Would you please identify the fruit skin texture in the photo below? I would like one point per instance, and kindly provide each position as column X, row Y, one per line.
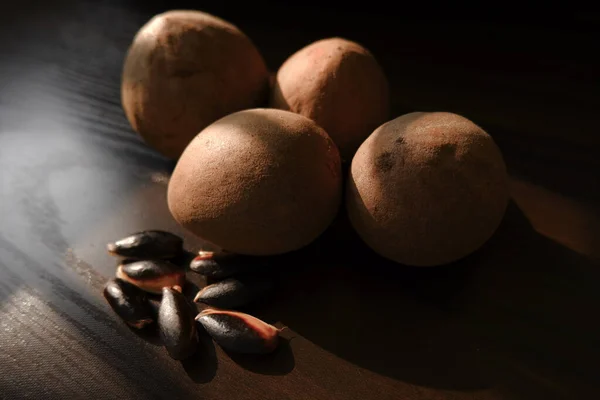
column 338, row 84
column 183, row 71
column 427, row 189
column 257, row 182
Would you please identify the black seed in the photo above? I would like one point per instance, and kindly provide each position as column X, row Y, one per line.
column 176, row 325
column 234, row 292
column 147, row 244
column 128, row 302
column 222, row 265
column 239, row 332
column 152, row 275
column 149, row 269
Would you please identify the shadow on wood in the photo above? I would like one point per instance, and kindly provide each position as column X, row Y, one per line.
column 280, row 362
column 202, row 366
column 515, row 314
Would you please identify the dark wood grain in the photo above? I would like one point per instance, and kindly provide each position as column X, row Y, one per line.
column 516, row 320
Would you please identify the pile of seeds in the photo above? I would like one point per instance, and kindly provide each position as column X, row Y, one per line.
column 150, row 268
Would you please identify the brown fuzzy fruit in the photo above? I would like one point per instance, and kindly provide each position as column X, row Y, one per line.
column 185, row 70
column 338, row 84
column 257, row 182
column 427, row 188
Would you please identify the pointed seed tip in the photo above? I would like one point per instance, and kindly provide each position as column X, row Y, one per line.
column 207, row 311
column 204, row 255
column 120, row 274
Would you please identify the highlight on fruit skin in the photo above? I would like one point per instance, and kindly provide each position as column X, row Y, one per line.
column 427, row 189
column 129, row 303
column 239, row 332
column 338, row 84
column 176, row 325
column 147, row 244
column 232, row 293
column 221, row 265
column 152, row 275
column 184, row 70
column 258, row 182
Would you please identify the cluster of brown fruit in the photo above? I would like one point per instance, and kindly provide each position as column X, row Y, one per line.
column 148, row 288
column 423, row 189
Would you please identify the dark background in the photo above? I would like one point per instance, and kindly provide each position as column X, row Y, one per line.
column 516, row 320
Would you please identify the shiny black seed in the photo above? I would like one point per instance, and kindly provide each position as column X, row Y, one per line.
column 222, row 265
column 152, row 275
column 176, row 325
column 234, row 292
column 147, row 244
column 128, row 302
column 239, row 332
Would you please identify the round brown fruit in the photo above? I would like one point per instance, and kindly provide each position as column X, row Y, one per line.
column 338, row 84
column 257, row 182
column 427, row 189
column 183, row 71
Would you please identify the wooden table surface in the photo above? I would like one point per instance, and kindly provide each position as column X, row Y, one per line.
column 516, row 320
